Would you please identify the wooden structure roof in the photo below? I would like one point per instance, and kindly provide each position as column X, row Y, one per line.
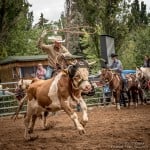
column 13, row 59
column 22, row 61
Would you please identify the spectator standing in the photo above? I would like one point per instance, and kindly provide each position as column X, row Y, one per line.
column 41, row 72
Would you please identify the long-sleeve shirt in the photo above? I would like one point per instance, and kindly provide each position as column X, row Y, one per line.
column 52, row 53
column 117, row 66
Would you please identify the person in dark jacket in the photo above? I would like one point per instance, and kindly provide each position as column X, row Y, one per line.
column 146, row 61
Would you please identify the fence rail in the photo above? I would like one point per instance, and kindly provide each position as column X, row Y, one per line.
column 8, row 103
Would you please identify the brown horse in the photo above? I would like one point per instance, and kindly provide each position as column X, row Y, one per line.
column 114, row 80
column 134, row 91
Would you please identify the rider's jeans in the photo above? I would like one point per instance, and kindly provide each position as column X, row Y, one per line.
column 124, row 80
column 49, row 72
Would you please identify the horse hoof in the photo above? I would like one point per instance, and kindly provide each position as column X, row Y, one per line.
column 49, row 126
column 46, row 127
column 82, row 132
column 15, row 117
column 30, row 130
column 31, row 138
column 83, row 123
column 34, row 137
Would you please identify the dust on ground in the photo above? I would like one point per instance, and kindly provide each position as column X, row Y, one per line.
column 107, row 129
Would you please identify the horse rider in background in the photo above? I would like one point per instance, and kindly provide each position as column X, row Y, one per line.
column 118, row 67
column 116, row 63
column 55, row 51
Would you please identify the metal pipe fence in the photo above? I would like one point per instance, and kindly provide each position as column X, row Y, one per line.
column 8, row 103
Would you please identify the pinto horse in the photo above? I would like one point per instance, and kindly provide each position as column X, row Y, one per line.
column 143, row 72
column 134, row 91
column 115, row 83
column 143, row 78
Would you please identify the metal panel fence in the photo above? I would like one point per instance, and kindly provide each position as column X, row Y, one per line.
column 8, row 103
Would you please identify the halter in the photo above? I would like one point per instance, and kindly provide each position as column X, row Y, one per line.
column 112, row 76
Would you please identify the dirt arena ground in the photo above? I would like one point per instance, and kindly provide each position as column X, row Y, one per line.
column 107, row 129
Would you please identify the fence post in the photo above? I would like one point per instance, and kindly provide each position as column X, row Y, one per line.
column 104, row 96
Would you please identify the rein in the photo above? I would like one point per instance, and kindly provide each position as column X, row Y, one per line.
column 111, row 79
column 112, row 76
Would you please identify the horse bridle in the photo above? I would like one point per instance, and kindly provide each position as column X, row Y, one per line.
column 112, row 76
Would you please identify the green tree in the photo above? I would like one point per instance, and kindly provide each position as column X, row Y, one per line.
column 17, row 37
column 10, row 15
column 142, row 45
column 29, row 20
column 106, row 17
column 14, row 24
column 42, row 21
column 117, row 18
column 138, row 17
column 136, row 44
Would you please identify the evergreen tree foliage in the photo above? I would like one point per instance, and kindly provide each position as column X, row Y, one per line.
column 128, row 22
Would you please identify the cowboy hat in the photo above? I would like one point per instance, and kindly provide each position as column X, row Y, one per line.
column 113, row 55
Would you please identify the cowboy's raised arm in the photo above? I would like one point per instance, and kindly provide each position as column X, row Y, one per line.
column 41, row 44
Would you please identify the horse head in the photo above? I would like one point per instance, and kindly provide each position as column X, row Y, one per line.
column 106, row 75
column 139, row 73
